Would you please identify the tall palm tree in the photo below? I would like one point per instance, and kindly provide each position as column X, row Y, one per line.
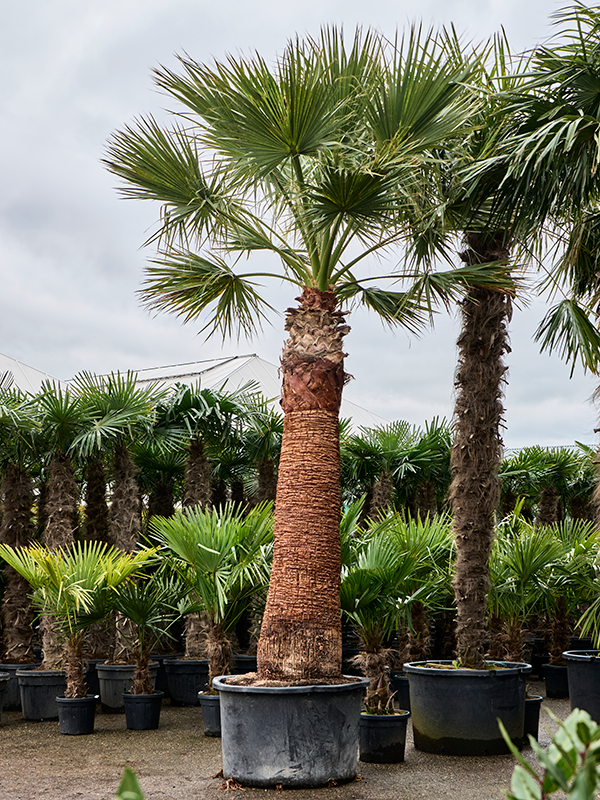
column 552, row 178
column 320, row 160
column 18, row 426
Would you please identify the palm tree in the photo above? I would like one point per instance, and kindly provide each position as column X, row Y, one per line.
column 320, row 160
column 72, row 585
column 219, row 556
column 18, row 426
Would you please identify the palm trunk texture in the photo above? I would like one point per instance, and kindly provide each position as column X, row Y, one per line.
column 301, row 635
column 17, row 530
column 475, row 457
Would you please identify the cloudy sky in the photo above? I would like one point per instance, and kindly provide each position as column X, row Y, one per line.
column 74, row 72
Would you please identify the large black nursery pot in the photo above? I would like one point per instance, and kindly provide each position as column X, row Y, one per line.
column 291, row 736
column 185, row 678
column 115, row 680
column 382, row 738
column 556, row 679
column 583, row 672
column 456, row 711
column 533, row 703
column 12, row 693
column 76, row 715
column 211, row 712
column 142, row 711
column 4, row 679
column 400, row 686
column 39, row 690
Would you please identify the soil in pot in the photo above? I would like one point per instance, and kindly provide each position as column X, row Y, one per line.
column 76, row 715
column 296, row 736
column 142, row 711
column 382, row 738
column 39, row 690
column 211, row 713
column 455, row 711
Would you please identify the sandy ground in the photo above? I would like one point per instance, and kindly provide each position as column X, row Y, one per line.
column 177, row 762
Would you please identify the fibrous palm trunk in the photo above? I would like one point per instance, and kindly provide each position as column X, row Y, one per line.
column 17, row 530
column 126, row 504
column 548, row 507
column 96, row 508
column 476, row 453
column 381, row 496
column 197, row 476
column 62, row 522
column 301, row 635
column 125, row 528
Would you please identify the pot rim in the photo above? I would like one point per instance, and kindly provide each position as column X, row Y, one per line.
column 400, row 714
column 590, row 654
column 81, row 700
column 508, row 668
column 221, row 684
column 139, row 698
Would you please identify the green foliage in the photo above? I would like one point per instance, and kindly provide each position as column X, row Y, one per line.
column 129, row 788
column 571, row 764
column 220, row 556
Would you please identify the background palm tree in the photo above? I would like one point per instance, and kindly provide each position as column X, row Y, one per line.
column 318, row 160
column 18, row 427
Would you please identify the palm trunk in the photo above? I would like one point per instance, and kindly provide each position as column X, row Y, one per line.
column 17, row 530
column 475, row 458
column 381, row 496
column 267, row 482
column 76, row 685
column 96, row 507
column 301, row 635
column 197, row 476
column 548, row 511
column 126, row 506
column 61, row 525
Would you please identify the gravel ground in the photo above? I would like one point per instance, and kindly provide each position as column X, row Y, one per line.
column 177, row 762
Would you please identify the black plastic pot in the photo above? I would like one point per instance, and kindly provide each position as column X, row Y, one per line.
column 557, row 683
column 91, row 675
column 290, row 735
column 455, row 711
column 185, row 678
column 12, row 695
column 76, row 715
column 117, row 679
column 161, row 676
column 538, row 662
column 39, row 690
column 4, row 679
column 381, row 739
column 243, row 663
column 400, row 685
column 142, row 711
column 532, row 717
column 211, row 713
column 583, row 673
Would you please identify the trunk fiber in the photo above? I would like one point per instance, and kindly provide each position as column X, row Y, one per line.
column 301, row 636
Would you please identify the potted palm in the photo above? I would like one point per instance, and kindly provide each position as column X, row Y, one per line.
column 72, row 585
column 150, row 602
column 220, row 557
column 369, row 592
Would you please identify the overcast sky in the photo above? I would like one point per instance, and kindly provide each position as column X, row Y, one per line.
column 74, row 72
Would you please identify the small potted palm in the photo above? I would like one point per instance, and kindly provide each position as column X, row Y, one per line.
column 220, row 557
column 72, row 585
column 373, row 593
column 150, row 603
